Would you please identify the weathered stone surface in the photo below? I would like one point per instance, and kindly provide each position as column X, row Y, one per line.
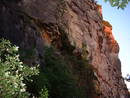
column 17, row 27
column 84, row 26
column 45, row 10
column 87, row 28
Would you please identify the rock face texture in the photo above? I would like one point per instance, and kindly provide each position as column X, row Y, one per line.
column 32, row 24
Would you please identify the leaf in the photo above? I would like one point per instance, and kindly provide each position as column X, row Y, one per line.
column 116, row 4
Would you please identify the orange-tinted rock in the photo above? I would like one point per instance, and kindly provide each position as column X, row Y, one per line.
column 113, row 45
column 47, row 37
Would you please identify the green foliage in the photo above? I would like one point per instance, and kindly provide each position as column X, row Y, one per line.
column 119, row 3
column 27, row 53
column 62, row 84
column 44, row 93
column 56, row 77
column 84, row 75
column 65, row 76
column 13, row 72
column 38, row 85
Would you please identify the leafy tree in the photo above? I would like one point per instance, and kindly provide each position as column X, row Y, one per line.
column 13, row 72
column 118, row 3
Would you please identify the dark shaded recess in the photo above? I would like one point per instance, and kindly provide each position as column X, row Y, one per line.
column 66, row 46
column 100, row 41
column 11, row 27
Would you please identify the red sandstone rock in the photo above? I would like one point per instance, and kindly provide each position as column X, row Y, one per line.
column 83, row 24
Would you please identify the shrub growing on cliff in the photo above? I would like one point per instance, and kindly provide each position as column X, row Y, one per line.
column 56, row 77
column 67, row 76
column 13, row 72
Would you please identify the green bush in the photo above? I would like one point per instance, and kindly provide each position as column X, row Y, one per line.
column 44, row 93
column 84, row 75
column 56, row 77
column 65, row 76
column 38, row 85
column 62, row 84
column 13, row 72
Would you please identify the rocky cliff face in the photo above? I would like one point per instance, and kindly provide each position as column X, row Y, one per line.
column 34, row 24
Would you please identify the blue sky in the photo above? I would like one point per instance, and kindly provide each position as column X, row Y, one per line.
column 120, row 20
